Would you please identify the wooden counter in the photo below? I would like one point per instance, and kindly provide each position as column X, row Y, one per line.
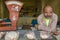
column 4, row 27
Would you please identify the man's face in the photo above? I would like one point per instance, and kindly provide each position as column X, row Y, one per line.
column 48, row 11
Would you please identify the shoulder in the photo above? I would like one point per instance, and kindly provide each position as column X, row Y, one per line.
column 55, row 15
column 40, row 16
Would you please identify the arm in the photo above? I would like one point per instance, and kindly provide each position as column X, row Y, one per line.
column 54, row 23
column 41, row 25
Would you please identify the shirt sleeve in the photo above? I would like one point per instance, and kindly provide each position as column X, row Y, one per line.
column 41, row 25
column 54, row 23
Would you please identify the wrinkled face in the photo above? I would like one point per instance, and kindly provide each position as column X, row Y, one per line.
column 48, row 11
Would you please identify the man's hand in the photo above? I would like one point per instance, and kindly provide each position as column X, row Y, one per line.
column 55, row 33
column 36, row 26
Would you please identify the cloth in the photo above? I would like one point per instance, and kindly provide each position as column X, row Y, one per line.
column 47, row 21
column 34, row 22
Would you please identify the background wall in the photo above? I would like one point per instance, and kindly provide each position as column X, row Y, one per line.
column 34, row 7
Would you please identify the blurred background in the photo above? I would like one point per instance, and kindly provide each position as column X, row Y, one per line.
column 30, row 10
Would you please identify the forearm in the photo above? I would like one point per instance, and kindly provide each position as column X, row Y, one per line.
column 43, row 28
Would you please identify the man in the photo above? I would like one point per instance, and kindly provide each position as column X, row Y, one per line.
column 47, row 21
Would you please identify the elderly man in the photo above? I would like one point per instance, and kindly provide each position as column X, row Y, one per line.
column 47, row 21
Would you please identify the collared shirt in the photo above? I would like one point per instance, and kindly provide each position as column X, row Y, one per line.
column 52, row 23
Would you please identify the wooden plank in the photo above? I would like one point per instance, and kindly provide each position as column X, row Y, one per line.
column 7, row 28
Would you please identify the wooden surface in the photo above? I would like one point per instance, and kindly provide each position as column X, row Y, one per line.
column 7, row 28
column 4, row 27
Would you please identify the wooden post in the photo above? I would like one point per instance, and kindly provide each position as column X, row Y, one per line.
column 42, row 6
column 1, row 8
